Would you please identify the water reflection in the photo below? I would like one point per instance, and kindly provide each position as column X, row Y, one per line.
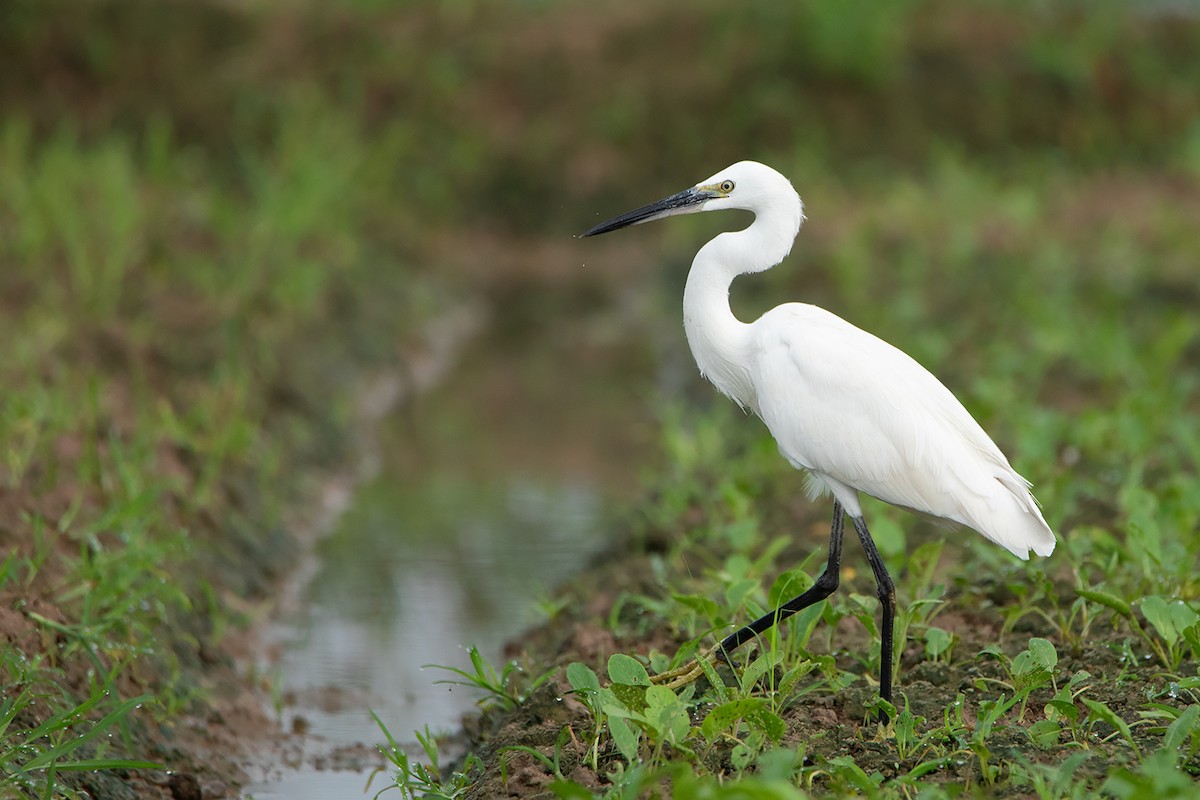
column 494, row 488
column 417, row 571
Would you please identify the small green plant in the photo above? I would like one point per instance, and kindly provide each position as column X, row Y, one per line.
column 1100, row 713
column 31, row 758
column 633, row 707
column 1177, row 625
column 990, row 712
column 1155, row 777
column 910, row 743
column 416, row 779
column 939, row 644
column 1183, row 734
column 1061, row 711
column 845, row 774
column 748, row 723
column 1052, row 781
column 505, row 689
column 586, row 686
column 1031, row 669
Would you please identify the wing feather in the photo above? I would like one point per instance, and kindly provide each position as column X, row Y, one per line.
column 845, row 404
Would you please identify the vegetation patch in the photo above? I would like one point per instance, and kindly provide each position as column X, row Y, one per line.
column 213, row 219
column 1056, row 297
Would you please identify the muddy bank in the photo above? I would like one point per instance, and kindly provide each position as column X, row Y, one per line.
column 249, row 560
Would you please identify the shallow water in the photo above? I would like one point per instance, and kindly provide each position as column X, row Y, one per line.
column 494, row 488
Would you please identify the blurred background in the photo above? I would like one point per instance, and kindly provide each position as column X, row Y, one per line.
column 217, row 217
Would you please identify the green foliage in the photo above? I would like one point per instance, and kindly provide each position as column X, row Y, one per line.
column 422, row 779
column 1053, row 342
column 505, row 689
column 1155, row 777
column 938, row 643
column 1053, row 781
column 1177, row 625
column 1183, row 734
column 155, row 296
column 1006, row 192
column 70, row 739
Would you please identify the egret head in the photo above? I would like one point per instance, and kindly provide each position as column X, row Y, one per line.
column 746, row 185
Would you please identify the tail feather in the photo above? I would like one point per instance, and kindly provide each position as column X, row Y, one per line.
column 1014, row 520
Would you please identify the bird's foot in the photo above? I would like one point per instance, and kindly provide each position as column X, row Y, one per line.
column 689, row 672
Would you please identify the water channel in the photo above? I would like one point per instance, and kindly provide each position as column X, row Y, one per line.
column 495, row 487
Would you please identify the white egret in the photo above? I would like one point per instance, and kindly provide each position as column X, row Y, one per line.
column 855, row 413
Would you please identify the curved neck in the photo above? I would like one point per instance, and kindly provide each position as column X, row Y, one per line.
column 717, row 338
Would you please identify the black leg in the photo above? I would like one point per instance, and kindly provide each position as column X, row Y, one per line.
column 826, row 585
column 886, row 591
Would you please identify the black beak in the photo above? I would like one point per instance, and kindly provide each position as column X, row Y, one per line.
column 681, row 203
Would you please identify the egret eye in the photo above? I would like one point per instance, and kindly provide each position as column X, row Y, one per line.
column 726, row 186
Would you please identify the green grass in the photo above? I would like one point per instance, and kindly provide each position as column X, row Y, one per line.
column 211, row 219
column 1059, row 303
column 167, row 388
column 1068, row 327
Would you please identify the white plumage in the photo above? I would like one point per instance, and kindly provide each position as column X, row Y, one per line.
column 855, row 412
column 861, row 415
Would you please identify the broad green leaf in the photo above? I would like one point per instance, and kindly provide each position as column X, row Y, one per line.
column 770, row 723
column 1157, row 613
column 1144, row 534
column 703, row 606
column 742, row 533
column 1102, row 712
column 852, row 773
column 780, row 764
column 937, row 641
column 791, row 584
column 761, row 666
column 625, row 737
column 1024, row 664
column 1044, row 653
column 721, row 719
column 740, row 756
column 667, row 714
column 737, row 593
column 1045, row 733
column 633, row 698
column 804, row 623
column 1169, row 617
column 1182, row 729
column 889, row 537
column 570, row 790
column 864, row 608
column 661, row 697
column 1191, row 635
column 627, row 670
column 1059, row 708
column 582, row 678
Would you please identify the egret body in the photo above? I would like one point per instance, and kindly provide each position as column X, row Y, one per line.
column 854, row 412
